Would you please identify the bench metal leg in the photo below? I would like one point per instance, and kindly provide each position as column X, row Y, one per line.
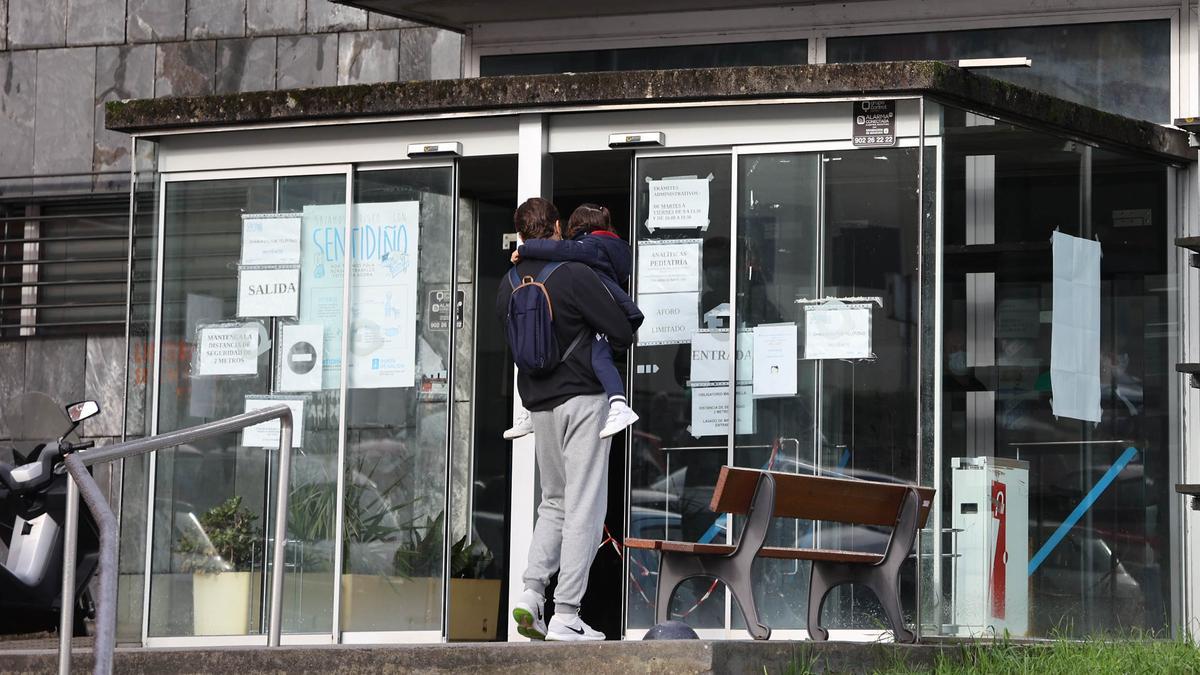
column 673, row 569
column 882, row 578
column 734, row 570
column 825, row 576
column 743, row 591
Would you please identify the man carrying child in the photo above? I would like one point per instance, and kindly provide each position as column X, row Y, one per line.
column 568, row 409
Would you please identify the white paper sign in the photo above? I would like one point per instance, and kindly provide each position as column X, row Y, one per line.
column 678, row 204
column 710, row 411
column 671, row 318
column 710, row 356
column 775, row 360
column 227, row 349
column 669, row 266
column 270, row 239
column 834, row 330
column 1075, row 329
column 383, row 312
column 301, row 350
column 268, row 291
column 266, row 434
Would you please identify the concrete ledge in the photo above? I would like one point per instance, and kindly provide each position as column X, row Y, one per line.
column 694, row 656
column 506, row 95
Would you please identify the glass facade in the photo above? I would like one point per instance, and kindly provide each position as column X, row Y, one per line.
column 772, row 53
column 1007, row 189
column 940, row 246
column 1123, row 68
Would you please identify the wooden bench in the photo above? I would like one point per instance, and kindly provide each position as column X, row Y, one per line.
column 761, row 495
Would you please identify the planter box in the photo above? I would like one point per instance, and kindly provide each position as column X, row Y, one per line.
column 375, row 602
column 221, row 603
column 474, row 604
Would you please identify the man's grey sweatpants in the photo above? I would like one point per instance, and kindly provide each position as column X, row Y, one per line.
column 572, row 461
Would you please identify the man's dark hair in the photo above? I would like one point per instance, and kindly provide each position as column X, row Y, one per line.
column 535, row 219
column 586, row 218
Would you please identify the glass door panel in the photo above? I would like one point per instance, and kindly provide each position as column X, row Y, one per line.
column 397, row 412
column 827, row 251
column 220, row 356
column 682, row 243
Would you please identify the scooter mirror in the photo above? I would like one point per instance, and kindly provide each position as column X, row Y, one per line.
column 82, row 410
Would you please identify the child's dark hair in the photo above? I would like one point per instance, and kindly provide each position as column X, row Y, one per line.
column 588, row 217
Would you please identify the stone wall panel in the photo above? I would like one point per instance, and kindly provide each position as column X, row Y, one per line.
column 306, row 61
column 65, row 111
column 184, row 68
column 245, row 65
column 368, row 57
column 275, row 17
column 104, row 383
column 55, row 367
column 216, row 19
column 12, row 379
column 95, row 22
column 429, row 54
column 3, row 24
column 18, row 87
column 121, row 73
column 326, row 17
column 37, row 23
column 377, row 21
column 155, row 20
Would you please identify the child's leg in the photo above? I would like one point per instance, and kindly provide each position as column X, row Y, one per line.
column 606, row 370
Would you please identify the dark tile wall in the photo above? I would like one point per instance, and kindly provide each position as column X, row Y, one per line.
column 61, row 60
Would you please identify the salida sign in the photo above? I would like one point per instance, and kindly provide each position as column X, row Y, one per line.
column 268, row 291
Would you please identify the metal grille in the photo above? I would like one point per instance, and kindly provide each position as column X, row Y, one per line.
column 64, row 265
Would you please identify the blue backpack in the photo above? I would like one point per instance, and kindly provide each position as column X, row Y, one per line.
column 530, row 323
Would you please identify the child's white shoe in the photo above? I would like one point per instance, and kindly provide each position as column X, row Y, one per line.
column 521, row 427
column 620, row 415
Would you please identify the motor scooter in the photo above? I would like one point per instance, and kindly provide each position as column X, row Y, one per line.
column 33, row 492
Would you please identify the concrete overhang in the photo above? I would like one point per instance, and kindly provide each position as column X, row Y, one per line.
column 461, row 15
column 515, row 94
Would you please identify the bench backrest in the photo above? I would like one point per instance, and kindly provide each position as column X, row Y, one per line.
column 838, row 500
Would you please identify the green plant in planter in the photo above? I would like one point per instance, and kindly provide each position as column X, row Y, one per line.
column 469, row 561
column 422, row 556
column 312, row 509
column 227, row 542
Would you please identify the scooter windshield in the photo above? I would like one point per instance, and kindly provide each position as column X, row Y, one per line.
column 35, row 417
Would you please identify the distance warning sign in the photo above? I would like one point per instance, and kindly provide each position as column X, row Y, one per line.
column 874, row 124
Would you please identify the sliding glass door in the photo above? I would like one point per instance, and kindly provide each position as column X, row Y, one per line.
column 782, row 332
column 325, row 289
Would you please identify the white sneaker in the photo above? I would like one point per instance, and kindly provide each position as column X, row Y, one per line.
column 528, row 616
column 573, row 631
column 620, row 415
column 521, row 427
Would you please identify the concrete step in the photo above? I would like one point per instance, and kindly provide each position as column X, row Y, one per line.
column 523, row 658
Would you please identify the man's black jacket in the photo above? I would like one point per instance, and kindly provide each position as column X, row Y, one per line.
column 581, row 303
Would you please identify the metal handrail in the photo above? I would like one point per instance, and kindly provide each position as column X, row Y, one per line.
column 82, row 483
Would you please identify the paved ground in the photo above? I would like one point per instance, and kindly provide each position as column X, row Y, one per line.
column 687, row 656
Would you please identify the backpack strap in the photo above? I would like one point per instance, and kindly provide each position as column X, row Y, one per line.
column 546, row 271
column 574, row 343
column 514, row 279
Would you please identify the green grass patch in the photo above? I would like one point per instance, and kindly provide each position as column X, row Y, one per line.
column 1063, row 657
column 1096, row 656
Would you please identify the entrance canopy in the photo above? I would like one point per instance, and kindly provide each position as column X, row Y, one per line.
column 462, row 14
column 546, row 93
